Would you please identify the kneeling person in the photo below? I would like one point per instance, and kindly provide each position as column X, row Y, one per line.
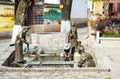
column 67, row 52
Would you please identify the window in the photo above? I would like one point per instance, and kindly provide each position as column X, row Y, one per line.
column 38, row 14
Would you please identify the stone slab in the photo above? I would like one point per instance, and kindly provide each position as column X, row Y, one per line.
column 52, row 42
column 45, row 28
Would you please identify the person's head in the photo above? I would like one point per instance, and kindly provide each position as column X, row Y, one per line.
column 73, row 23
column 73, row 29
column 67, row 46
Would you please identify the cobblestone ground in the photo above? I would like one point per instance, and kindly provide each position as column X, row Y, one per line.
column 109, row 54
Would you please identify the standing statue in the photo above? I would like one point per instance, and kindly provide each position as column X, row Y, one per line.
column 72, row 38
column 20, row 39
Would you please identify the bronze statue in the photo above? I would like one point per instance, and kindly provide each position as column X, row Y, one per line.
column 72, row 38
column 20, row 39
column 80, row 47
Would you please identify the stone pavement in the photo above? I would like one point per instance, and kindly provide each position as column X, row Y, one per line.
column 110, row 56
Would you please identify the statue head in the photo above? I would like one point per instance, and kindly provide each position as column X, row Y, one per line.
column 79, row 43
column 26, row 29
column 73, row 23
column 73, row 29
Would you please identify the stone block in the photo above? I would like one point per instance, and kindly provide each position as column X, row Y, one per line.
column 44, row 28
column 50, row 42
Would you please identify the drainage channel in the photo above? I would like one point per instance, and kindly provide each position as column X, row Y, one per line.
column 49, row 62
column 52, row 64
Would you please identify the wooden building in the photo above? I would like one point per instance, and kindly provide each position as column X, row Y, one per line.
column 105, row 7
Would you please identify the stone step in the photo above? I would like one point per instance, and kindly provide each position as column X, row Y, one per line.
column 58, row 62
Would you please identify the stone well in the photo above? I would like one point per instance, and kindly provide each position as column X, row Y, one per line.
column 50, row 42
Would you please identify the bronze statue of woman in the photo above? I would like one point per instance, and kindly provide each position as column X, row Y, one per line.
column 20, row 39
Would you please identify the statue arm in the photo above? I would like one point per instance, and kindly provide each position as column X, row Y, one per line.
column 17, row 37
column 25, row 41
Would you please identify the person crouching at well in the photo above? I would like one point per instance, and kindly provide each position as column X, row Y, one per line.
column 67, row 52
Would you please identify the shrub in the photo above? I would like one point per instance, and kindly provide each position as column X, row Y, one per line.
column 110, row 35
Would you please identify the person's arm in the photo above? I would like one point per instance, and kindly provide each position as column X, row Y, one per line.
column 69, row 52
column 23, row 40
column 64, row 53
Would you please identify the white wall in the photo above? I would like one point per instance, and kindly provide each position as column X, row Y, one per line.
column 79, row 9
column 52, row 1
column 13, row 1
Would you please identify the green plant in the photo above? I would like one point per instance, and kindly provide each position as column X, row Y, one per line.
column 110, row 35
column 108, row 78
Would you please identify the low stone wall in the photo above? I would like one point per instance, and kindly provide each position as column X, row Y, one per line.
column 5, row 35
column 30, row 73
column 45, row 28
column 111, row 41
column 88, row 69
column 50, row 42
